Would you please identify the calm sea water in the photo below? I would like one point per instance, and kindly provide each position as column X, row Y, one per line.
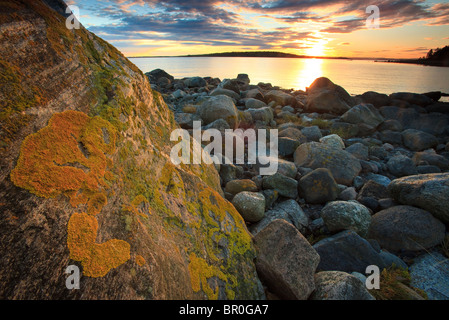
column 356, row 76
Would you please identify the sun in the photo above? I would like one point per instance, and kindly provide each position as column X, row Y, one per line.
column 316, row 50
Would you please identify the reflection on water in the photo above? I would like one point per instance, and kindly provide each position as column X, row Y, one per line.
column 356, row 76
column 311, row 69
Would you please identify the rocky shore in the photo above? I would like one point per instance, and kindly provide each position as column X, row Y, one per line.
column 362, row 180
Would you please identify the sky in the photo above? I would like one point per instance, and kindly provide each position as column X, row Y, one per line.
column 332, row 28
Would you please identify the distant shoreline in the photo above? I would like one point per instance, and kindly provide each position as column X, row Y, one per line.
column 257, row 54
column 416, row 61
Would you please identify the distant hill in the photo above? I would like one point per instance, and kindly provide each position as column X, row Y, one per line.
column 253, row 54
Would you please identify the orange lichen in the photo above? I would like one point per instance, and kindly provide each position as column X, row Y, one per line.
column 96, row 259
column 96, row 203
column 69, row 157
column 66, row 156
column 140, row 260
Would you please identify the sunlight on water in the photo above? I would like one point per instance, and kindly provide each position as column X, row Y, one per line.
column 311, row 69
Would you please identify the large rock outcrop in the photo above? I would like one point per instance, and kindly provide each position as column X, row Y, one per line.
column 86, row 178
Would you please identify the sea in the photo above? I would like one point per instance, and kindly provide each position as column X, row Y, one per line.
column 356, row 76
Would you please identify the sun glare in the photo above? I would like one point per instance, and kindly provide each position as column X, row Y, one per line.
column 312, row 69
column 317, row 50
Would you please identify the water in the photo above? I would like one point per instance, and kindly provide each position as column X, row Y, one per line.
column 356, row 76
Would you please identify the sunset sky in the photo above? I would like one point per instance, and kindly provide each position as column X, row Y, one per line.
column 408, row 29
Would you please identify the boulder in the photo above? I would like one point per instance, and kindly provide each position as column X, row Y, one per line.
column 185, row 120
column 391, row 125
column 358, row 150
column 312, row 133
column 406, row 228
column 401, row 166
column 333, row 140
column 318, row 186
column 431, row 158
column 254, row 104
column 374, row 190
column 345, row 130
column 226, row 92
column 376, row 99
column 280, row 98
column 337, row 285
column 156, row 74
column 418, row 140
column 254, row 94
column 219, row 124
column 195, row 82
column 363, row 113
column 429, row 192
column 287, row 187
column 229, row 172
column 413, row 98
column 92, row 186
column 293, row 133
column 285, row 261
column 219, row 107
column 287, row 146
column 347, row 251
column 237, row 186
column 429, row 273
column 264, row 115
column 346, row 215
column 343, row 166
column 289, row 211
column 326, row 97
column 348, row 194
column 250, row 205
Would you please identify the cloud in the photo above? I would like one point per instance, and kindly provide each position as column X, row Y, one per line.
column 225, row 23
